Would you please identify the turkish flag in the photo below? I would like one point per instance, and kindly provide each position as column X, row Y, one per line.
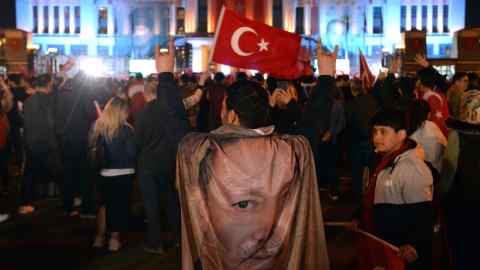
column 365, row 74
column 375, row 253
column 243, row 43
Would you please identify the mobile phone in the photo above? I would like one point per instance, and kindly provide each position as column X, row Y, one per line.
column 282, row 85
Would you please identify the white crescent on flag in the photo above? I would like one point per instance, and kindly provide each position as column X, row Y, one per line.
column 234, row 41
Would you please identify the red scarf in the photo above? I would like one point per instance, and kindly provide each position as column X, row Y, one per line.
column 367, row 223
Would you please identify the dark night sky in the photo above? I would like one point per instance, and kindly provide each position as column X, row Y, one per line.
column 7, row 13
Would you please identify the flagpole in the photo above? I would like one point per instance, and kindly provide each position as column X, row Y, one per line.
column 217, row 30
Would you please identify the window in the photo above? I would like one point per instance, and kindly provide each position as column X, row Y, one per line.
column 202, row 16
column 377, row 20
column 278, row 13
column 56, row 19
column 435, row 19
column 102, row 51
column 445, row 49
column 299, row 26
column 66, row 20
column 78, row 50
column 414, row 17
column 445, row 19
column 60, row 48
column 430, row 50
column 35, row 19
column 403, row 18
column 77, row 20
column 103, row 20
column 45, row 20
column 424, row 18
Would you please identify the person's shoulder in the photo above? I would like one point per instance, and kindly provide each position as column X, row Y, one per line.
column 411, row 167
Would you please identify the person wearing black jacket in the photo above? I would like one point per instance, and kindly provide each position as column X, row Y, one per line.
column 74, row 114
column 39, row 140
column 315, row 121
column 159, row 128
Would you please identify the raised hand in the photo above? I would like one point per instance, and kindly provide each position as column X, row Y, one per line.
column 421, row 60
column 165, row 61
column 327, row 62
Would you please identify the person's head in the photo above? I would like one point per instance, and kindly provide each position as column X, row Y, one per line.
column 356, row 87
column 460, row 80
column 407, row 86
column 150, row 91
column 246, row 105
column 389, row 130
column 473, row 81
column 418, row 113
column 426, row 80
column 219, row 77
column 114, row 115
column 43, row 83
column 241, row 76
column 244, row 196
column 138, row 76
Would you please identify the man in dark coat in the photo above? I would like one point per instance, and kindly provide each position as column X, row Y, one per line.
column 159, row 128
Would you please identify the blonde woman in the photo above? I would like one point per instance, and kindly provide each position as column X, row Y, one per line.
column 115, row 136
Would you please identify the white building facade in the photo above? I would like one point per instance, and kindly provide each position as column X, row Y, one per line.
column 129, row 29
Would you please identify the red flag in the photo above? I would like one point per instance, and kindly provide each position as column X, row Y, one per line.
column 375, row 253
column 365, row 74
column 243, row 43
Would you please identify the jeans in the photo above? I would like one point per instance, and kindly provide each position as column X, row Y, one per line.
column 36, row 172
column 153, row 187
column 115, row 193
column 328, row 155
column 78, row 179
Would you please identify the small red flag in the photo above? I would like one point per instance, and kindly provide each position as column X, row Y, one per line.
column 243, row 43
column 375, row 253
column 365, row 74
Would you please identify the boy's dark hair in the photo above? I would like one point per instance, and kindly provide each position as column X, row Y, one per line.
column 42, row 80
column 458, row 76
column 391, row 118
column 427, row 77
column 250, row 101
column 418, row 114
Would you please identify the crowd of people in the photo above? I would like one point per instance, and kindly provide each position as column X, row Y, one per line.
column 411, row 140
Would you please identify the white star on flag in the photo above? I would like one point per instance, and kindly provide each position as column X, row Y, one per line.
column 263, row 45
column 439, row 115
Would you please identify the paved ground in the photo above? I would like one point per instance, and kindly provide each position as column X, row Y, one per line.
column 48, row 240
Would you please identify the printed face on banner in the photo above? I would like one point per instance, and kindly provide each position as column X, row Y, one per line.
column 245, row 197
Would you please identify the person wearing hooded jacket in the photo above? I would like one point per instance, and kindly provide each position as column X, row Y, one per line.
column 159, row 128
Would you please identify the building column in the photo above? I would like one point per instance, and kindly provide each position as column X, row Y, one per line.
column 40, row 18
column 269, row 12
column 307, row 18
column 72, row 19
column 156, row 21
column 408, row 23
column 110, row 21
column 191, row 16
column 173, row 19
column 61, row 20
column 50, row 19
column 440, row 17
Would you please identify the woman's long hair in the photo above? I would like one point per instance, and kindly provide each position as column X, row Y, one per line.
column 112, row 118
